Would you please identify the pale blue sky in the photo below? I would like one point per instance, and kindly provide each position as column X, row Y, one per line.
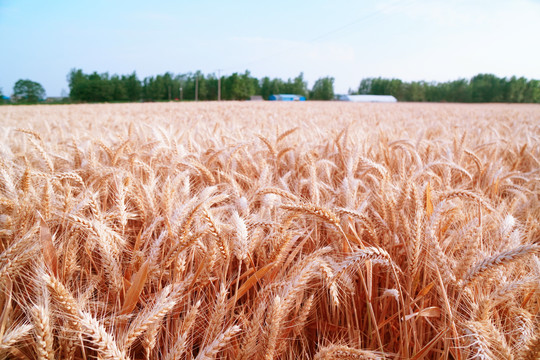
column 349, row 40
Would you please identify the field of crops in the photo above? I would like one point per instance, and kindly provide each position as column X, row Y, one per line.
column 270, row 231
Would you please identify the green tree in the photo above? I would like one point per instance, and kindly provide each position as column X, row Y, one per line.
column 265, row 85
column 212, row 87
column 380, row 86
column 532, row 92
column 459, row 91
column 414, row 91
column 239, row 86
column 28, row 92
column 516, row 90
column 203, row 86
column 250, row 85
column 188, row 84
column 231, row 87
column 100, row 88
column 277, row 86
column 487, row 88
column 95, row 87
column 365, row 86
column 133, row 87
column 156, row 88
column 300, row 85
column 272, row 87
column 323, row 89
column 77, row 82
column 119, row 92
column 288, row 87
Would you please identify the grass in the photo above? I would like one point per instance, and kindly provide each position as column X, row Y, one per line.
column 270, row 231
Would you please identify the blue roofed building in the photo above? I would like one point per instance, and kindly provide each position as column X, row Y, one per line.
column 286, row 97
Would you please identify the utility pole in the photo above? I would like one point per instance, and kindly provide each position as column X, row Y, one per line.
column 197, row 88
column 219, row 85
column 169, row 92
column 181, row 95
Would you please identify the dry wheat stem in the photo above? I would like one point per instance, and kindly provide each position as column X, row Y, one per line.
column 221, row 231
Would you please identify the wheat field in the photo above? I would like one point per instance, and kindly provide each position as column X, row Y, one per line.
column 242, row 230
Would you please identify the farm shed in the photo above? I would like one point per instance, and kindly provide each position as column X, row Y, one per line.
column 286, row 97
column 367, row 98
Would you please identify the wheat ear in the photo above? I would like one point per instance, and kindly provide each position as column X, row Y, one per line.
column 500, row 259
column 7, row 340
column 103, row 341
column 275, row 319
column 43, row 332
column 312, row 209
column 63, row 297
column 210, row 351
column 214, row 231
column 336, row 352
column 179, row 346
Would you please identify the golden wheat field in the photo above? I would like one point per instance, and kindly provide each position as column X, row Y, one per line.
column 240, row 230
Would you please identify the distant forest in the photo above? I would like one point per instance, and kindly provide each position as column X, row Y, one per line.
column 482, row 88
column 192, row 86
column 241, row 86
column 95, row 87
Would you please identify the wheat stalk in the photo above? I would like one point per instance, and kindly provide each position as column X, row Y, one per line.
column 205, row 230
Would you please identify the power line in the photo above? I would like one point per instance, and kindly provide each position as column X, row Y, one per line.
column 219, row 84
column 326, row 34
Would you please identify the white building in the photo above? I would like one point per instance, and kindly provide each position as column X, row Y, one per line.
column 367, row 98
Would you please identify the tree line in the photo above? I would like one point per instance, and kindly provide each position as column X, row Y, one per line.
column 482, row 88
column 103, row 87
column 193, row 86
column 241, row 86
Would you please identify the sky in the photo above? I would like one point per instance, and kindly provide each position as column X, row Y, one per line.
column 413, row 40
